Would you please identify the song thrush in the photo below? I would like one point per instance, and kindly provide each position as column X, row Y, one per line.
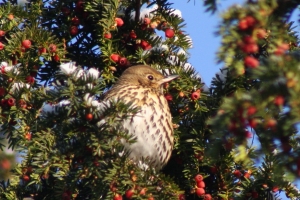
column 152, row 125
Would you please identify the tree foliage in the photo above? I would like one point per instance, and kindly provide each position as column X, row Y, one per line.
column 59, row 57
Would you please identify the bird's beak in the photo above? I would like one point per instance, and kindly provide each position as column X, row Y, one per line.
column 168, row 79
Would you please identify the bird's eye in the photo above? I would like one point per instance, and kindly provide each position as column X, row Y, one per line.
column 150, row 77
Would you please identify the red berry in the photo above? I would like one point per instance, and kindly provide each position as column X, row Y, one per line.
column 1, row 46
column 261, row 33
column 275, row 189
column 254, row 195
column 250, row 48
column 79, row 6
column 143, row 191
column 2, row 33
column 247, row 23
column 3, row 102
column 89, row 116
column 214, row 169
column 243, row 25
column 198, row 178
column 251, row 110
column 52, row 48
column 252, row 123
column 251, row 62
column 279, row 52
column 199, row 155
column 28, row 136
column 200, row 192
column 281, row 49
column 248, row 134
column 195, row 95
column 284, row 46
column 42, row 50
column 56, row 58
column 201, row 184
column 117, row 197
column 169, row 97
column 145, row 45
column 169, row 33
column 115, row 57
column 248, row 39
column 132, row 35
column 73, row 30
column 207, row 197
column 151, row 198
column 30, row 79
column 181, row 94
column 10, row 16
column 2, row 91
column 25, row 178
column 11, row 102
column 147, row 20
column 247, row 175
column 144, row 27
column 123, row 61
column 237, row 173
column 5, row 164
column 129, row 193
column 75, row 21
column 270, row 123
column 22, row 104
column 119, row 21
column 251, row 21
column 26, row 44
column 181, row 197
column 278, row 101
column 107, row 35
column 66, row 11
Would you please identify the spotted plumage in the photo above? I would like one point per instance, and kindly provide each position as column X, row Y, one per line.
column 152, row 125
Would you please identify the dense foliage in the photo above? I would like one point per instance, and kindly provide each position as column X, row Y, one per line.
column 59, row 57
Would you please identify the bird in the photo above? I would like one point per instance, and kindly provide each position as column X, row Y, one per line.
column 151, row 126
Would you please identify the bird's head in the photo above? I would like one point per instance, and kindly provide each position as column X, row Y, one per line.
column 145, row 76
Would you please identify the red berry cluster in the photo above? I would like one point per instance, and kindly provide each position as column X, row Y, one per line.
column 134, row 41
column 136, row 190
column 8, row 102
column 75, row 15
column 281, row 49
column 26, row 172
column 130, row 193
column 246, row 117
column 200, row 191
column 121, row 61
column 238, row 174
column 250, row 27
column 118, row 23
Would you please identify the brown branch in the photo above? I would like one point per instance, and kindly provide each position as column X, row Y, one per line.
column 137, row 10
